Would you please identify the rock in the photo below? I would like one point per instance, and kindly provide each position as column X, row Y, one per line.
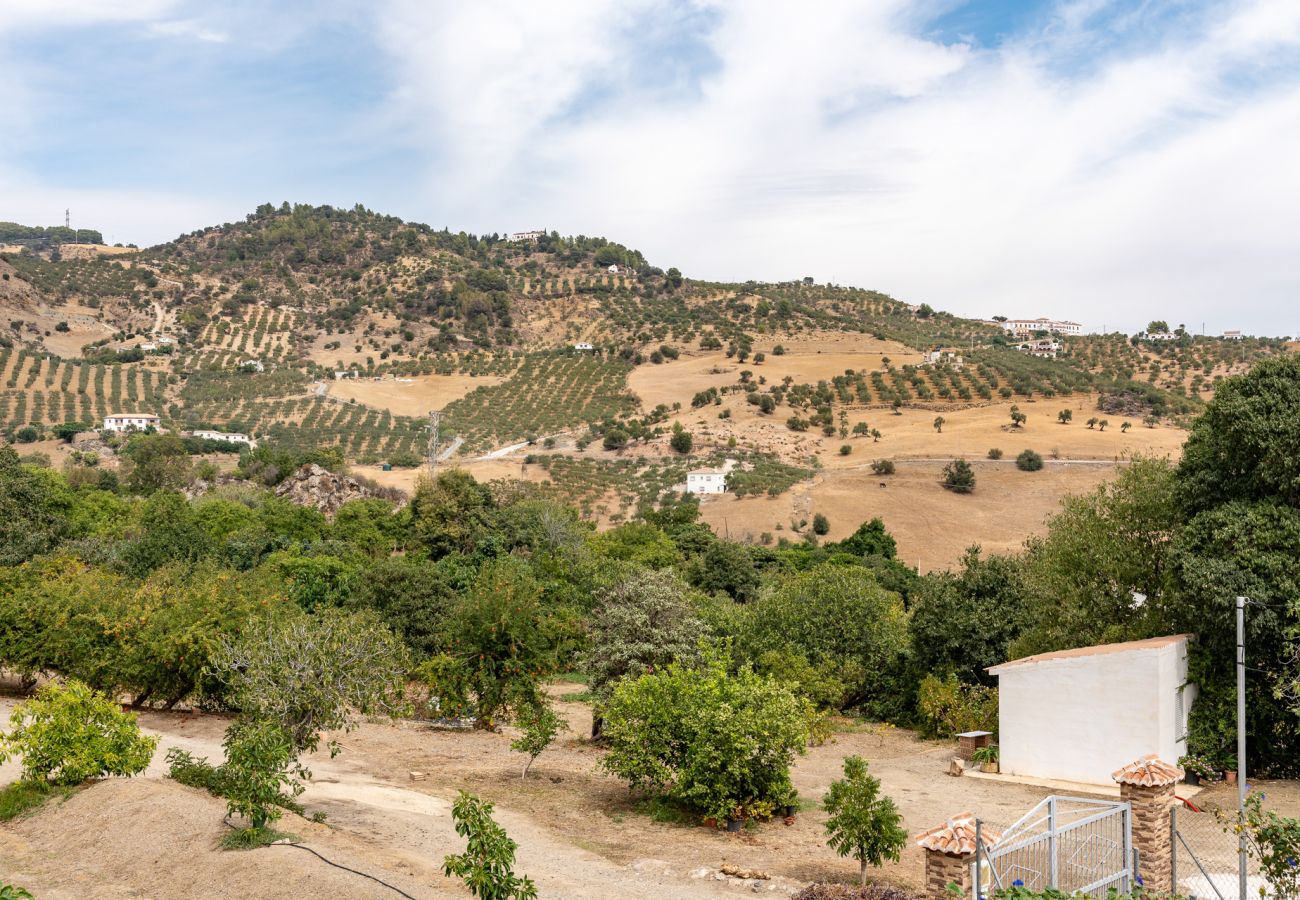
column 956, row 766
column 321, row 489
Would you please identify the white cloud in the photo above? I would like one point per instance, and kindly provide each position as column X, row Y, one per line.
column 1057, row 174
column 17, row 15
column 188, row 28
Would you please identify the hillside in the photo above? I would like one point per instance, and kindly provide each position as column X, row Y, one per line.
column 310, row 327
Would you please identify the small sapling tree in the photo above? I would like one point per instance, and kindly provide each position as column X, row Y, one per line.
column 539, row 725
column 487, row 865
column 861, row 823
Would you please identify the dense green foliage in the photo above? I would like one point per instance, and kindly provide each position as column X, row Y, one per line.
column 487, row 865
column 68, row 734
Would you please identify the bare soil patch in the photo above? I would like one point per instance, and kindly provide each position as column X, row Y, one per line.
column 412, row 395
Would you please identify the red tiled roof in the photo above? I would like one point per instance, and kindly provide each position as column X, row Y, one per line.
column 1149, row 771
column 956, row 836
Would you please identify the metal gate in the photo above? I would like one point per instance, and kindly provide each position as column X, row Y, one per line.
column 1073, row 844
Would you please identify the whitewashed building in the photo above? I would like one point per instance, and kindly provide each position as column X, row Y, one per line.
column 1042, row 323
column 613, row 269
column 254, row 365
column 234, row 437
column 706, row 481
column 583, row 345
column 131, row 422
column 1232, row 335
column 1078, row 715
column 522, row 236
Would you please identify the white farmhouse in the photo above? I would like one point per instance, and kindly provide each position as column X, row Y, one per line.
column 148, row 346
column 613, row 269
column 706, row 481
column 131, row 422
column 583, row 345
column 1232, row 335
column 1026, row 327
column 1078, row 715
column 234, row 437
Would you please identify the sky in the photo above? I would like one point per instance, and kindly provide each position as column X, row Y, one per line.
column 1107, row 162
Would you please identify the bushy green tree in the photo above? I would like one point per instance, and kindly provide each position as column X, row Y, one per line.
column 836, row 615
column 312, row 673
column 156, row 462
column 717, row 742
column 261, row 770
column 1029, row 461
column 68, row 733
column 412, row 596
column 451, row 513
column 860, row 821
column 34, row 509
column 681, row 441
column 959, row 477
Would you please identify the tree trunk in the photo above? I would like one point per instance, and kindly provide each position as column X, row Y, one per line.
column 864, row 873
column 142, row 699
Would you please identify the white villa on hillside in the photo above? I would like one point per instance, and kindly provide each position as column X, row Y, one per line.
column 1232, row 335
column 942, row 355
column 234, row 437
column 709, row 481
column 131, row 422
column 1051, row 326
column 583, row 345
column 521, row 236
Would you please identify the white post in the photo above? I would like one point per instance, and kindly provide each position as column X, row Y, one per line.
column 1241, row 744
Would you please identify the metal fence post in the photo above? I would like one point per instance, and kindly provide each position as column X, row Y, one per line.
column 979, row 848
column 1173, row 849
column 1051, row 841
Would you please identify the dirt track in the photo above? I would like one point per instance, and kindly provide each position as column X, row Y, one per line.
column 579, row 831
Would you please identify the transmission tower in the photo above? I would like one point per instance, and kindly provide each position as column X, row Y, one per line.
column 435, row 417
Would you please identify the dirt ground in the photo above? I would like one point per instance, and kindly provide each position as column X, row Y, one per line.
column 932, row 525
column 579, row 830
column 409, row 395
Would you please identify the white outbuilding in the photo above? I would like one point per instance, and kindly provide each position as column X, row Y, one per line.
column 706, row 481
column 1079, row 715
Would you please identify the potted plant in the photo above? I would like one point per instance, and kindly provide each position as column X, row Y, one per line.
column 736, row 819
column 791, row 805
column 1196, row 769
column 987, row 757
column 1230, row 769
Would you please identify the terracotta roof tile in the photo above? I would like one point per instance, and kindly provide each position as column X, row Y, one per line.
column 956, row 836
column 1149, row 771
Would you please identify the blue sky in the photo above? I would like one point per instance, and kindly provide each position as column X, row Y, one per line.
column 1109, row 161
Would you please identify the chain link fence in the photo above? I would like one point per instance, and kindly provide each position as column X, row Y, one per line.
column 1205, row 859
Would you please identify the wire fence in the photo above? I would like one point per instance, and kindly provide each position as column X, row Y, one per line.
column 1206, row 860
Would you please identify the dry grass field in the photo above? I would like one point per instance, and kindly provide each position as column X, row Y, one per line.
column 412, row 395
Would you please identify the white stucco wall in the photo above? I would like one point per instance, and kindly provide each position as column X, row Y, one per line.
column 1080, row 718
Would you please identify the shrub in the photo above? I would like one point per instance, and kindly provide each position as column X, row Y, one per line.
column 260, row 765
column 69, row 733
column 487, row 865
column 846, row 449
column 615, row 439
column 995, row 453
column 860, row 822
column 959, row 477
column 883, row 467
column 681, row 441
column 947, row 706
column 821, row 525
column 720, row 744
column 1029, row 461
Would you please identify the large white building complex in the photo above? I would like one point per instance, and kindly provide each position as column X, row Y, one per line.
column 1025, row 327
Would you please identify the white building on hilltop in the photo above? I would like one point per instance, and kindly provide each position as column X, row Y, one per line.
column 521, row 236
column 233, row 437
column 1078, row 715
column 1051, row 326
column 131, row 422
column 709, row 481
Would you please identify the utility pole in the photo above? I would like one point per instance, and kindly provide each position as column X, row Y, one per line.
column 435, row 418
column 1241, row 745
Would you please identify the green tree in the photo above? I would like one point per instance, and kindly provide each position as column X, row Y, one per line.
column 260, row 772
column 171, row 532
column 681, row 441
column 615, row 439
column 959, row 477
column 821, row 525
column 720, row 743
column 861, row 822
column 487, row 865
column 966, row 621
column 68, row 734
column 871, row 539
column 938, row 424
column 308, row 674
column 34, row 509
column 499, row 639
column 156, row 462
column 450, row 513
column 411, row 596
column 539, row 725
column 1157, row 326
column 1017, row 417
column 1065, row 416
column 1029, row 461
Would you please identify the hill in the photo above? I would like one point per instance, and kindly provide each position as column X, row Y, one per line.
column 310, row 327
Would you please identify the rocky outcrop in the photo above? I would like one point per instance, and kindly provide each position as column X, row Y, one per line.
column 321, row 489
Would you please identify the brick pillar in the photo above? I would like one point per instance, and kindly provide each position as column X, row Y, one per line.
column 949, row 852
column 1148, row 786
column 943, row 869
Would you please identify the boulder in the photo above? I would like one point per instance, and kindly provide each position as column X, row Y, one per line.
column 321, row 489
